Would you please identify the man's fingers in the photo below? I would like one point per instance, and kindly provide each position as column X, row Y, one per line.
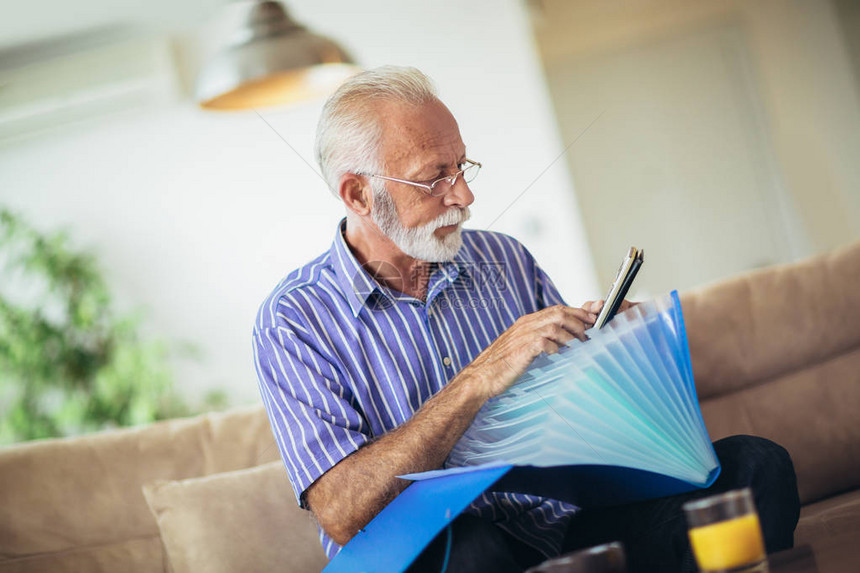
column 583, row 315
column 595, row 306
column 571, row 325
column 561, row 335
column 577, row 321
column 573, row 321
column 548, row 329
column 549, row 346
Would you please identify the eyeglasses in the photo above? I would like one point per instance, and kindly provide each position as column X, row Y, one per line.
column 440, row 186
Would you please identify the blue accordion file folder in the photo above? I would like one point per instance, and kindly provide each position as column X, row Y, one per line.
column 604, row 422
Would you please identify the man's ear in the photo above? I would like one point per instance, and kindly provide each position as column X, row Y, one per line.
column 354, row 191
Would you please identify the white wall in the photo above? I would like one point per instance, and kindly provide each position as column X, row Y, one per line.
column 680, row 147
column 196, row 216
column 800, row 66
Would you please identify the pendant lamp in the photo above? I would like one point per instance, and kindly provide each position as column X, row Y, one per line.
column 269, row 59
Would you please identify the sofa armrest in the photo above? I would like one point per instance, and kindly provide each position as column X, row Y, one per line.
column 771, row 322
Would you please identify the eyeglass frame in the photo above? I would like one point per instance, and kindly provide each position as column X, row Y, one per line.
column 429, row 186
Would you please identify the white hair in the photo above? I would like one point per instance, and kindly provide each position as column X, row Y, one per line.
column 349, row 130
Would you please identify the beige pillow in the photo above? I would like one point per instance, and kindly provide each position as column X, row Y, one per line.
column 244, row 520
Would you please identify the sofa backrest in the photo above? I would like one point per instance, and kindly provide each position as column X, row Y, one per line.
column 776, row 353
column 77, row 504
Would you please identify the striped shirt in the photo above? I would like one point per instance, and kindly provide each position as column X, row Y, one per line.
column 342, row 359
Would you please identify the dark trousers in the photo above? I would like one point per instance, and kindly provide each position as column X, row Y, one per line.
column 654, row 532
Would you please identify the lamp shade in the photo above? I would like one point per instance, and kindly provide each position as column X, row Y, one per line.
column 269, row 59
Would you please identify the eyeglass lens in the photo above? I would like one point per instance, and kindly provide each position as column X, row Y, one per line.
column 444, row 185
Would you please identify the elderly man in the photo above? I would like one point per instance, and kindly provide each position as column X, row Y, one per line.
column 374, row 358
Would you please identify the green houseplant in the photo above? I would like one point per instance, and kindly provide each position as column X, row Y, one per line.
column 69, row 363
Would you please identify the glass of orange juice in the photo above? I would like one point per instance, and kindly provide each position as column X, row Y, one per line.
column 725, row 533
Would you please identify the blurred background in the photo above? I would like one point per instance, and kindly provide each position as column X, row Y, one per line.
column 141, row 230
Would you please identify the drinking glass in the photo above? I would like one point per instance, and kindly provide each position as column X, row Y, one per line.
column 607, row 558
column 725, row 533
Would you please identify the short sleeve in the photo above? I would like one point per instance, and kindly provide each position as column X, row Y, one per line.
column 307, row 400
column 547, row 293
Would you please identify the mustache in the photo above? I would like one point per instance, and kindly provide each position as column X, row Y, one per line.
column 454, row 216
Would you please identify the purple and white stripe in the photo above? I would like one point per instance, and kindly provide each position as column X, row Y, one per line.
column 341, row 359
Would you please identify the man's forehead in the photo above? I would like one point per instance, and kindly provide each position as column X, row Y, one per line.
column 429, row 129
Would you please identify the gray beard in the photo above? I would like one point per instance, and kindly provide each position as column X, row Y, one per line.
column 418, row 242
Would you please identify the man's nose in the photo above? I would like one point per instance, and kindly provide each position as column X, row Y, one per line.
column 459, row 195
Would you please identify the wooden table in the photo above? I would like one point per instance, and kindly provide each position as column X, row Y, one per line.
column 837, row 554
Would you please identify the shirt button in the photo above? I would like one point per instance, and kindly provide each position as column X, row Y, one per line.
column 446, row 361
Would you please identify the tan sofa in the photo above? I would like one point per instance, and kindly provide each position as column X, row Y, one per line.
column 775, row 353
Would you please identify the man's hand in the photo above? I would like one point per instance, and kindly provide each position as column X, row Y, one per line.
column 595, row 306
column 503, row 361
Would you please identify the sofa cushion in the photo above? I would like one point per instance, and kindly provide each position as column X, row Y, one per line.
column 812, row 413
column 748, row 329
column 143, row 555
column 60, row 494
column 835, row 516
column 244, row 520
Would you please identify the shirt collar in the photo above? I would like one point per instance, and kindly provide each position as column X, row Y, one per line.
column 358, row 286
column 459, row 268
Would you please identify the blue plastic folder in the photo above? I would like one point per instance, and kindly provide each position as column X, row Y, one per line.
column 395, row 537
column 609, row 421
